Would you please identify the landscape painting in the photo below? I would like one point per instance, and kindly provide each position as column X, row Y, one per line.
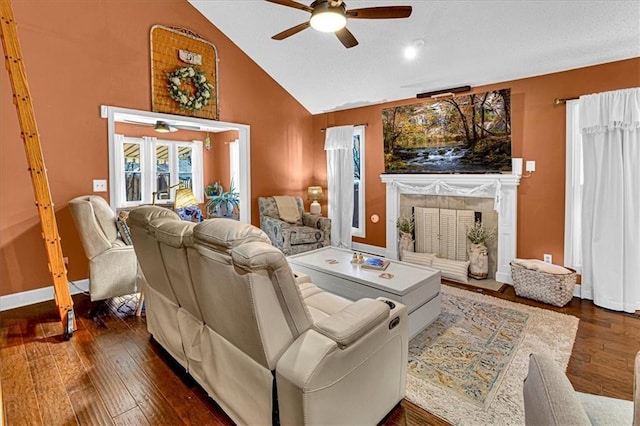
column 461, row 134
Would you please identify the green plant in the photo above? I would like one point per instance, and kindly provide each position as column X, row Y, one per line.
column 225, row 202
column 405, row 224
column 478, row 234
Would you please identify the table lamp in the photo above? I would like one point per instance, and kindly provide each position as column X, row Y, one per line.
column 314, row 193
column 185, row 198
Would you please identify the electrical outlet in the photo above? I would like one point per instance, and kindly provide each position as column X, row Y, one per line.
column 547, row 258
column 99, row 185
column 530, row 166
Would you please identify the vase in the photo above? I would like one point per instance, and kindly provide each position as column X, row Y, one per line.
column 405, row 243
column 478, row 261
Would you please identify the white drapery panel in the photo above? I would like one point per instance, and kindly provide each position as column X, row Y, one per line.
column 197, row 171
column 573, row 190
column 610, row 126
column 339, row 147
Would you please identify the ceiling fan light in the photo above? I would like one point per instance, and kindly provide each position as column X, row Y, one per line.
column 328, row 21
column 163, row 127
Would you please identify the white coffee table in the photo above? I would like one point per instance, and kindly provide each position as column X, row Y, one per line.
column 417, row 287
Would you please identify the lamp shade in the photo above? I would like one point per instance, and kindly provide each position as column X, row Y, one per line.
column 185, row 198
column 315, row 193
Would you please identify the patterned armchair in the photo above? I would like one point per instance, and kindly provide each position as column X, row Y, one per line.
column 310, row 233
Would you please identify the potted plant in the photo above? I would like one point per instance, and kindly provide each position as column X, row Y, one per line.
column 405, row 224
column 478, row 237
column 225, row 203
column 405, row 229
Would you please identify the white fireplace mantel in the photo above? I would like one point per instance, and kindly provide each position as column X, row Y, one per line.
column 503, row 188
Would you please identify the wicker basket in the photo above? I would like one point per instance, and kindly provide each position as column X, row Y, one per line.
column 554, row 289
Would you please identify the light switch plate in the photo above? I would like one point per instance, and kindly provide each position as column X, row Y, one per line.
column 99, row 185
column 531, row 166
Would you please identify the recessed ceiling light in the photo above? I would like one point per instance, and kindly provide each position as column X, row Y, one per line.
column 411, row 51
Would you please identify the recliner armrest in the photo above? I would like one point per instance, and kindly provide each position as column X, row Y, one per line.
column 315, row 221
column 301, row 278
column 348, row 325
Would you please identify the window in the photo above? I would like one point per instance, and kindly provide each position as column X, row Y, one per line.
column 132, row 171
column 358, row 183
column 573, row 193
column 145, row 166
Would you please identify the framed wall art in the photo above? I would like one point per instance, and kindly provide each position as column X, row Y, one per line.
column 461, row 134
column 184, row 73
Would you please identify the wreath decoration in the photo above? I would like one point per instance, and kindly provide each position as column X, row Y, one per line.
column 200, row 98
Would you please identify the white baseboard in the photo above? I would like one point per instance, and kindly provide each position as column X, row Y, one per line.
column 366, row 248
column 17, row 300
column 577, row 292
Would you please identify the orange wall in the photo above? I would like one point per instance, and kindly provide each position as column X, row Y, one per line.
column 83, row 54
column 538, row 133
column 220, row 170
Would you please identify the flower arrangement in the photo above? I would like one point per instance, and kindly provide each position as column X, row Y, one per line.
column 478, row 234
column 202, row 95
column 405, row 224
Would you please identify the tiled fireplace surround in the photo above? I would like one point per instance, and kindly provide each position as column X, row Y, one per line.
column 502, row 188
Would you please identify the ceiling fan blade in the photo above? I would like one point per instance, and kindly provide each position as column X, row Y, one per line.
column 293, row 4
column 384, row 12
column 291, row 31
column 345, row 36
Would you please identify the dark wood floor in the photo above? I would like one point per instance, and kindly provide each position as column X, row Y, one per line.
column 111, row 372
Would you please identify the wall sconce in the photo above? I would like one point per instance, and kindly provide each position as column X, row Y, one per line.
column 314, row 193
column 516, row 167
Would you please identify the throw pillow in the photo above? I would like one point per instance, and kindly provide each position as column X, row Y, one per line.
column 424, row 259
column 123, row 230
column 542, row 266
column 454, row 270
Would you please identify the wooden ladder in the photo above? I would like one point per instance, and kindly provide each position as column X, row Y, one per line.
column 31, row 138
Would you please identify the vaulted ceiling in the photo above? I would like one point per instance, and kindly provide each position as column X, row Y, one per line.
column 465, row 43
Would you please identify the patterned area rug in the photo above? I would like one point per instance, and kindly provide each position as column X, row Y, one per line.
column 468, row 366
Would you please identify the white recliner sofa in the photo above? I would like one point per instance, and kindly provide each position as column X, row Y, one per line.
column 266, row 345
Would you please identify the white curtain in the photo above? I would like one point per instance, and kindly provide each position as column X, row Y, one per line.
column 339, row 147
column 197, row 171
column 610, row 126
column 573, row 190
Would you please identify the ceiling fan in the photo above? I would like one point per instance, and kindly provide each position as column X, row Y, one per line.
column 332, row 15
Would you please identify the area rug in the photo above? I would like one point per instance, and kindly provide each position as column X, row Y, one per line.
column 467, row 367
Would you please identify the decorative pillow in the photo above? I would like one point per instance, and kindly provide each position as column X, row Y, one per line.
column 539, row 265
column 424, row 259
column 123, row 230
column 454, row 270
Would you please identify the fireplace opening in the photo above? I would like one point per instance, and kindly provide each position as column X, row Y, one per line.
column 441, row 223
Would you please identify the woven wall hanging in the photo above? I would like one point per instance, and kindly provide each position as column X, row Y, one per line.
column 184, row 73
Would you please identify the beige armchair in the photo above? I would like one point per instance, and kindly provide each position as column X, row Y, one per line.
column 549, row 399
column 266, row 345
column 310, row 232
column 113, row 266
